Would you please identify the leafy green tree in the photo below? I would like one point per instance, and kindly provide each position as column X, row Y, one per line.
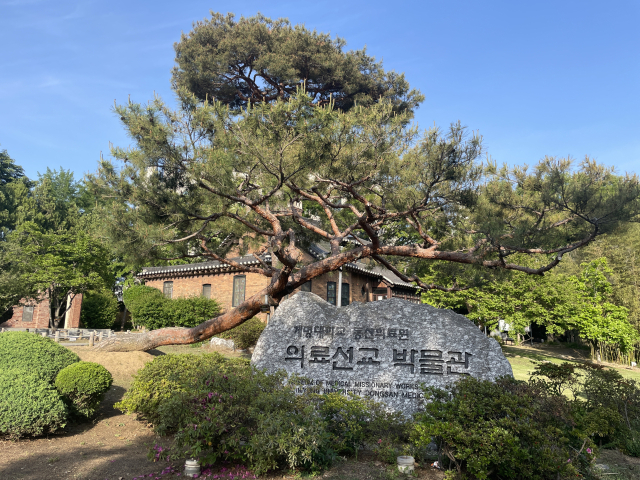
column 43, row 228
column 515, row 297
column 621, row 248
column 14, row 187
column 58, row 265
column 281, row 174
column 14, row 284
column 557, row 301
column 599, row 320
column 256, row 59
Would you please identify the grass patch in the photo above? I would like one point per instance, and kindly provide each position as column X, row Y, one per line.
column 523, row 360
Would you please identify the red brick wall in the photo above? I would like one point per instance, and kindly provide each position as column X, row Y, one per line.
column 41, row 315
column 74, row 313
column 354, row 279
column 221, row 286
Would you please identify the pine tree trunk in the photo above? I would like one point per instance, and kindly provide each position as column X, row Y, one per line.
column 183, row 336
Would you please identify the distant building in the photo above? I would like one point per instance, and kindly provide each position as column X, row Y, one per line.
column 230, row 287
column 36, row 315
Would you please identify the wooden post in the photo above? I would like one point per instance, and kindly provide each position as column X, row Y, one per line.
column 57, row 336
column 100, row 337
column 91, row 339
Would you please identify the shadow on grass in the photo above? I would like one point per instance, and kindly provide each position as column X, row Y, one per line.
column 155, row 352
column 540, row 355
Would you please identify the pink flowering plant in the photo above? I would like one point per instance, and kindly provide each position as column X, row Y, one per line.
column 241, row 414
column 223, row 410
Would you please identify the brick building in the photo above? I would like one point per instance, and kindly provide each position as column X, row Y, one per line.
column 36, row 315
column 359, row 281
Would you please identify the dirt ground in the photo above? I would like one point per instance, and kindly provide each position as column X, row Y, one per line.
column 112, row 446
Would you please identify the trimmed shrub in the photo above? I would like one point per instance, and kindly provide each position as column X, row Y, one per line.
column 27, row 351
column 99, row 309
column 167, row 377
column 605, row 388
column 226, row 409
column 136, row 296
column 151, row 313
column 246, row 334
column 29, row 404
column 509, row 429
column 223, row 409
column 354, row 422
column 190, row 311
column 150, row 308
column 83, row 386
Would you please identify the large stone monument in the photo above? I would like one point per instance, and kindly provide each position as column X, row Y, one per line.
column 384, row 350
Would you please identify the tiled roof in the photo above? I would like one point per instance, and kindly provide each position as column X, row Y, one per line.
column 318, row 250
column 321, row 250
column 204, row 267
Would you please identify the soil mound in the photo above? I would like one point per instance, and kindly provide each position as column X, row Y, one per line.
column 122, row 365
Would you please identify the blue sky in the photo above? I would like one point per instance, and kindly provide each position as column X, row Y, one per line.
column 535, row 78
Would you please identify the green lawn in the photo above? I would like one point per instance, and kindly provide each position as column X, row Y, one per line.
column 523, row 360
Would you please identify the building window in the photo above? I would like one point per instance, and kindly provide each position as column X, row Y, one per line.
column 27, row 313
column 239, row 284
column 331, row 292
column 345, row 295
column 306, row 287
column 379, row 293
column 167, row 289
column 206, row 290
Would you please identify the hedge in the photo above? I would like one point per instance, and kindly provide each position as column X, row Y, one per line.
column 33, row 353
column 150, row 308
column 246, row 334
column 136, row 296
column 29, row 404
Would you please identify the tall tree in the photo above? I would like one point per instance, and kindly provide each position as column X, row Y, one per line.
column 9, row 171
column 14, row 188
column 256, row 59
column 515, row 297
column 198, row 175
column 58, row 265
column 621, row 248
column 43, row 228
column 600, row 321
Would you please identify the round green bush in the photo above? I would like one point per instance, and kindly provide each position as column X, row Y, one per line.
column 83, row 386
column 31, row 352
column 99, row 309
column 136, row 296
column 246, row 334
column 29, row 404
